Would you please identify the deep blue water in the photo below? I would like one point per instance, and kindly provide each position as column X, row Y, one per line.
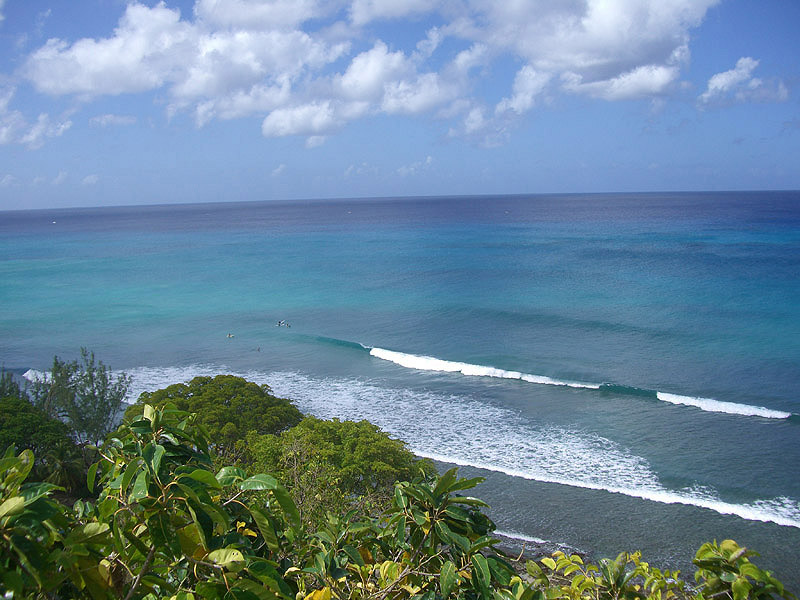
column 622, row 368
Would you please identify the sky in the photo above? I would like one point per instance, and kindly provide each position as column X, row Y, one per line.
column 115, row 102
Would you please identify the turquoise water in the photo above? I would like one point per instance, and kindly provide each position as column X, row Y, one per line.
column 622, row 368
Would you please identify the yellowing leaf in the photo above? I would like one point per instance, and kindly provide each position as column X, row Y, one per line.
column 323, row 594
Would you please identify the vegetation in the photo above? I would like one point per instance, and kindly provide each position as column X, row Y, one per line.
column 173, row 512
column 84, row 394
column 58, row 459
column 331, row 466
column 228, row 407
column 166, row 525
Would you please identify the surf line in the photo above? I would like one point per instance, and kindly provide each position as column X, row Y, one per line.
column 430, row 363
column 757, row 511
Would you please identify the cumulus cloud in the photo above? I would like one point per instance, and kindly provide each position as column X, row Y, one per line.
column 364, row 11
column 258, row 14
column 370, row 71
column 415, row 167
column 2, row 16
column 147, row 47
column 308, row 67
column 90, row 179
column 15, row 128
column 528, row 85
column 278, row 170
column 642, row 82
column 740, row 85
column 307, row 119
column 109, row 120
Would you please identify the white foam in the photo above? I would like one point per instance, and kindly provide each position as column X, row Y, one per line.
column 731, row 408
column 513, row 535
column 430, row 363
column 35, row 376
column 465, row 431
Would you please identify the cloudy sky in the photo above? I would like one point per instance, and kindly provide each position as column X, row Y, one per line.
column 128, row 102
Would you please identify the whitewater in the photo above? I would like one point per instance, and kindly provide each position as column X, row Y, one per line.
column 429, row 363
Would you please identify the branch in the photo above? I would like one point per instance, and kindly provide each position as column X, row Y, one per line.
column 143, row 570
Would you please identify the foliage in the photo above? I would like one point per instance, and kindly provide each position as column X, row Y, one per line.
column 9, row 386
column 58, row 459
column 166, row 525
column 85, row 394
column 330, row 466
column 626, row 577
column 725, row 571
column 228, row 407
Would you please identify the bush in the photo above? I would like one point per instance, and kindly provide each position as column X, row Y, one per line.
column 229, row 407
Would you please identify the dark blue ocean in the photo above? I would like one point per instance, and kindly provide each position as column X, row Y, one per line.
column 623, row 369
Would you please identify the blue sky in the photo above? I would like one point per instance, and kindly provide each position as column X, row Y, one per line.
column 109, row 102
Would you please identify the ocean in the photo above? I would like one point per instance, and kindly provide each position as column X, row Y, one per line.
column 621, row 368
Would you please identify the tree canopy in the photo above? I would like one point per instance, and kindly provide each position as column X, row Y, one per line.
column 330, row 465
column 85, row 394
column 229, row 407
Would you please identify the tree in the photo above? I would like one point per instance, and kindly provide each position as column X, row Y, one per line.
column 86, row 395
column 9, row 385
column 330, row 466
column 58, row 459
column 229, row 407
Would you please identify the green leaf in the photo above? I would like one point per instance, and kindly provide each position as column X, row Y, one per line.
column 287, row 504
column 257, row 590
column 230, row 558
column 91, row 475
column 445, row 481
column 262, row 481
column 206, row 477
column 130, row 471
column 163, row 535
column 741, row 588
column 549, row 563
column 265, row 527
column 139, row 487
column 469, row 500
column 481, row 570
column 447, row 578
column 230, row 475
column 12, row 506
column 266, row 573
column 353, row 554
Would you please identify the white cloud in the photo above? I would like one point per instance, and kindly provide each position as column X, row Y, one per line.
column 307, row 119
column 738, row 83
column 60, row 178
column 148, row 45
column 282, row 60
column 364, row 11
column 418, row 95
column 257, row 14
column 43, row 129
column 109, row 120
column 278, row 170
column 2, row 2
column 90, row 179
column 315, row 141
column 642, row 82
column 528, row 84
column 8, row 180
column 370, row 71
column 415, row 167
